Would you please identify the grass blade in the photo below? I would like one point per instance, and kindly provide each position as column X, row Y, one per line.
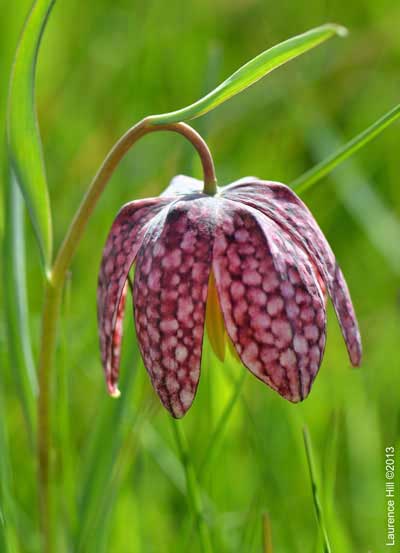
column 16, row 303
column 252, row 72
column 357, row 193
column 266, row 533
column 8, row 523
column 169, row 464
column 312, row 176
column 95, row 487
column 221, row 425
column 314, row 486
column 66, row 496
column 24, row 142
column 192, row 485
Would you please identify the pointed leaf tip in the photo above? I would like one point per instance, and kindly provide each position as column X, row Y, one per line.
column 339, row 30
column 23, row 136
column 253, row 71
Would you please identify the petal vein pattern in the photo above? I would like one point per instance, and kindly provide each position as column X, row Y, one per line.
column 270, row 298
column 280, row 203
column 170, row 294
column 122, row 245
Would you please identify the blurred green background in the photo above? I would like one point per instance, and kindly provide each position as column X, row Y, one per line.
column 103, row 66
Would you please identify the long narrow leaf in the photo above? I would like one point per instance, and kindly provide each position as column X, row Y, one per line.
column 312, row 176
column 356, row 191
column 8, row 522
column 315, row 492
column 16, row 302
column 98, row 461
column 252, row 72
column 221, row 425
column 62, row 417
column 192, row 487
column 25, row 149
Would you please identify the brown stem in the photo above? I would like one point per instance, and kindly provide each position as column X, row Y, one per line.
column 54, row 287
column 105, row 172
column 47, row 347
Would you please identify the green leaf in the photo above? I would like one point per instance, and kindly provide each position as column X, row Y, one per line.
column 220, row 427
column 352, row 185
column 25, row 149
column 8, row 518
column 16, row 302
column 315, row 492
column 97, row 485
column 252, row 72
column 192, row 487
column 312, row 176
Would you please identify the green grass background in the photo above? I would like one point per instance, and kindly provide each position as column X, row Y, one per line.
column 120, row 483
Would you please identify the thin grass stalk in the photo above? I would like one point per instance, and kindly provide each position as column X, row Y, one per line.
column 266, row 533
column 96, row 491
column 302, row 183
column 314, row 487
column 66, row 500
column 221, row 425
column 192, row 487
column 8, row 518
column 216, row 437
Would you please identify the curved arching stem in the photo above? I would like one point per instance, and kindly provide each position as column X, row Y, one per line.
column 105, row 172
column 53, row 295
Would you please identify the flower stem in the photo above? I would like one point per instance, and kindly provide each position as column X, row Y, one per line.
column 192, row 487
column 53, row 293
column 47, row 347
column 105, row 172
column 266, row 533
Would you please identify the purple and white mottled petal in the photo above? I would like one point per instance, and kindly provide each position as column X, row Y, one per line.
column 272, row 304
column 181, row 184
column 116, row 340
column 119, row 253
column 170, row 293
column 283, row 206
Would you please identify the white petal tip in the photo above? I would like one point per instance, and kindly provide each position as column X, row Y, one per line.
column 115, row 393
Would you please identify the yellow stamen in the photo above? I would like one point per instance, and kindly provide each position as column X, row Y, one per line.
column 232, row 350
column 215, row 325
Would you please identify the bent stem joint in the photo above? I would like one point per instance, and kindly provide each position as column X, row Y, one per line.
column 54, row 285
column 105, row 172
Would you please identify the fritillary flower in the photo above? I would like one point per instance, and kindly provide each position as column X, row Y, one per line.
column 255, row 254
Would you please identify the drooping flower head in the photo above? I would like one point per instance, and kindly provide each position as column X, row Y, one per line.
column 271, row 266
